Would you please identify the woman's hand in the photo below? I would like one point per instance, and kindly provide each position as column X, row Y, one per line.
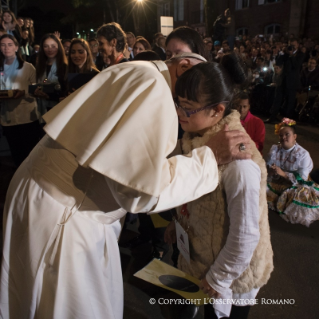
column 170, row 233
column 38, row 93
column 19, row 94
column 207, row 289
column 278, row 171
column 225, row 146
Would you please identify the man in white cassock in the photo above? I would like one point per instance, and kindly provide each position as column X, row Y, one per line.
column 105, row 153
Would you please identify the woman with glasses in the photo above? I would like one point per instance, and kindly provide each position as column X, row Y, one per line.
column 228, row 229
column 51, row 73
column 19, row 116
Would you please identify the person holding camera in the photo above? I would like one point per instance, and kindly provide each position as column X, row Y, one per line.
column 19, row 116
column 50, row 73
column 293, row 59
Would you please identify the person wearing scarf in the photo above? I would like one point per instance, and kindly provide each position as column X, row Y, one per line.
column 105, row 153
column 19, row 116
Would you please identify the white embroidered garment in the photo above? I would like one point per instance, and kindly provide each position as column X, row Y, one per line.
column 294, row 160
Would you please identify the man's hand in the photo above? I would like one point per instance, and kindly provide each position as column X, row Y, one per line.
column 207, row 289
column 225, row 146
column 19, row 94
column 38, row 93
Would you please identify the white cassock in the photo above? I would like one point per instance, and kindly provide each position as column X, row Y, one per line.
column 105, row 153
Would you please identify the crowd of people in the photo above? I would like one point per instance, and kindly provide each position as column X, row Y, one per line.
column 65, row 201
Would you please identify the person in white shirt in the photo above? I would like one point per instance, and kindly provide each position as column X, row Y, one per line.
column 228, row 229
column 19, row 115
column 105, row 153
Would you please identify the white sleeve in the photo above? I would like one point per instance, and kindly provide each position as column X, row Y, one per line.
column 241, row 182
column 191, row 177
column 306, row 166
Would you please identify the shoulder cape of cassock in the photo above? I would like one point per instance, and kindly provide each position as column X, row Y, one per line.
column 122, row 123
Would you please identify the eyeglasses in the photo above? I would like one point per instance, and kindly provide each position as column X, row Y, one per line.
column 189, row 113
column 94, row 45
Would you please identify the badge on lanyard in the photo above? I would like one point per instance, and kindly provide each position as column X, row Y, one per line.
column 182, row 236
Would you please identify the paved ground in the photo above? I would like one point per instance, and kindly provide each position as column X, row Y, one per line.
column 296, row 259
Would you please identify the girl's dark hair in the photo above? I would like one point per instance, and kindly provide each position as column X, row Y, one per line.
column 112, row 31
column 18, row 53
column 191, row 37
column 14, row 20
column 61, row 61
column 293, row 128
column 215, row 82
column 144, row 43
column 88, row 65
column 147, row 56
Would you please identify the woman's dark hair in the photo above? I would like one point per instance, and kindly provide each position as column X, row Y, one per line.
column 191, row 37
column 144, row 43
column 215, row 82
column 14, row 20
column 61, row 61
column 147, row 56
column 292, row 127
column 18, row 53
column 88, row 65
column 112, row 31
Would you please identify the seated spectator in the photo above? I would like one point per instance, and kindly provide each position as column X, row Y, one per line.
column 140, row 45
column 310, row 75
column 226, row 47
column 155, row 39
column 25, row 47
column 10, row 24
column 289, row 166
column 253, row 125
column 160, row 49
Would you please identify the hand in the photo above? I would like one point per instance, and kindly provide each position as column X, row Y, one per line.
column 225, row 146
column 38, row 92
column 207, row 289
column 57, row 34
column 279, row 171
column 170, row 233
column 19, row 94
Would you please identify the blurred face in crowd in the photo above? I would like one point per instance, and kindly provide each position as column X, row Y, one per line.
column 277, row 69
column 243, row 107
column 105, row 46
column 259, row 63
column 176, row 46
column 225, row 46
column 295, row 44
column 138, row 47
column 254, row 53
column 66, row 47
column 287, row 138
column 78, row 55
column 161, row 42
column 312, row 64
column 208, row 45
column 25, row 34
column 241, row 49
column 304, row 50
column 27, row 23
column 217, row 47
column 7, row 18
column 130, row 40
column 8, row 48
column 36, row 48
column 50, row 48
column 94, row 47
column 31, row 23
column 263, row 52
column 20, row 22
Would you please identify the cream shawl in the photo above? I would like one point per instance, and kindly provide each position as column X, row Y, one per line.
column 123, row 124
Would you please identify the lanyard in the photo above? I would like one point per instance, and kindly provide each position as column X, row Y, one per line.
column 119, row 58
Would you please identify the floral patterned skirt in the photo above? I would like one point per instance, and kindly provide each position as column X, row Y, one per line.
column 298, row 204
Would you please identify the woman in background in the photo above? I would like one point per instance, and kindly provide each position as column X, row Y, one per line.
column 289, row 191
column 10, row 24
column 51, row 68
column 19, row 116
column 141, row 45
